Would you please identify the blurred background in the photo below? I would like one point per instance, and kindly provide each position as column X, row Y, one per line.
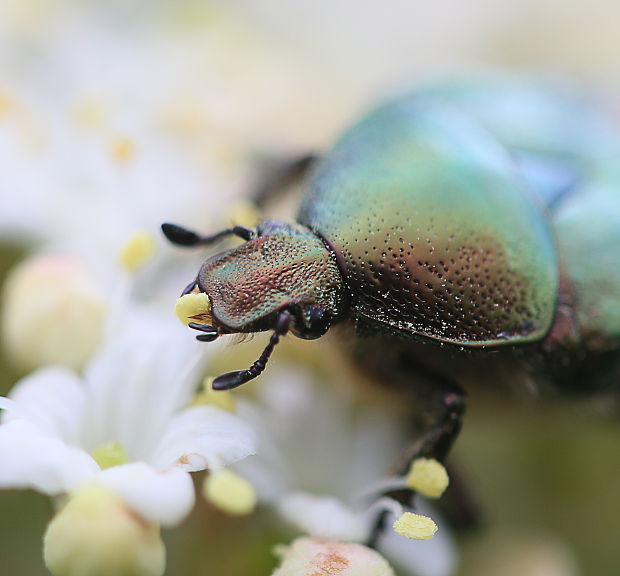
column 117, row 115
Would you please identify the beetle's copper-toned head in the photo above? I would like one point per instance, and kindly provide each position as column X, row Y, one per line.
column 283, row 278
column 285, row 267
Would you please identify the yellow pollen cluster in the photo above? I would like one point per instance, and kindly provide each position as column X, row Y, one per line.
column 415, row 526
column 428, row 477
column 230, row 493
column 138, row 250
column 193, row 307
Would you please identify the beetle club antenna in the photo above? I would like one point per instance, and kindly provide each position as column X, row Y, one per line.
column 234, row 379
column 184, row 237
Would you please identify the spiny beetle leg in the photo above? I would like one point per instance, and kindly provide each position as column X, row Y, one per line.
column 234, row 379
column 438, row 439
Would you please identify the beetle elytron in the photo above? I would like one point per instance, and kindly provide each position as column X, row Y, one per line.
column 479, row 215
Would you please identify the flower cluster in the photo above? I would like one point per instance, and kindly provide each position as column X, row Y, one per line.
column 114, row 418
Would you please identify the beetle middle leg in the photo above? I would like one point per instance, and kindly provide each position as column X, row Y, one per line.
column 420, row 375
column 280, row 176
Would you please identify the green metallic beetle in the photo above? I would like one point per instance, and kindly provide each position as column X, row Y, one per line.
column 479, row 215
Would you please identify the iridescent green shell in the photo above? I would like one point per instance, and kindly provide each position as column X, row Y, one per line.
column 587, row 225
column 286, row 264
column 567, row 145
column 434, row 229
column 556, row 132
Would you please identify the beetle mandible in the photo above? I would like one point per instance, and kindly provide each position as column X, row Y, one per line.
column 479, row 215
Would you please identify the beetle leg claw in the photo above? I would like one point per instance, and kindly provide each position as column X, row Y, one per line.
column 233, row 379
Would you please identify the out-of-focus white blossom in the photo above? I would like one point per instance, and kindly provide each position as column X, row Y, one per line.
column 95, row 534
column 126, row 425
column 52, row 312
column 309, row 557
column 323, row 466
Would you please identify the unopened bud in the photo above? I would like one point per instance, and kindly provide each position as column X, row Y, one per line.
column 52, row 313
column 309, row 557
column 95, row 534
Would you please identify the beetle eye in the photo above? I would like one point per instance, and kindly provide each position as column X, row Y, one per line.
column 312, row 322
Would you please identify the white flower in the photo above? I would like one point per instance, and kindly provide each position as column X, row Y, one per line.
column 125, row 425
column 324, row 457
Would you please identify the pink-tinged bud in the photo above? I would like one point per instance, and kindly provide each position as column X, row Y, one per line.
column 308, row 557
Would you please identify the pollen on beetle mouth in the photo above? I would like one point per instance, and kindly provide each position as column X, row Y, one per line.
column 194, row 307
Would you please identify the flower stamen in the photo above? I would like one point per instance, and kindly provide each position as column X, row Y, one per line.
column 110, row 454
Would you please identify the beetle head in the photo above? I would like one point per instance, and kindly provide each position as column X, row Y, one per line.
column 285, row 267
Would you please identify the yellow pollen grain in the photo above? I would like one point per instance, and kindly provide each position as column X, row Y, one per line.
column 190, row 307
column 230, row 493
column 415, row 526
column 138, row 250
column 122, row 149
column 428, row 477
column 110, row 454
column 208, row 397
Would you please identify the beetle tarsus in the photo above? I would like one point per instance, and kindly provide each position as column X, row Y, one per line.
column 233, row 379
column 184, row 237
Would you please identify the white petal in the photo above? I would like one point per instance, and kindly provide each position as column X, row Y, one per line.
column 435, row 557
column 163, row 497
column 135, row 385
column 323, row 517
column 30, row 459
column 53, row 400
column 204, row 437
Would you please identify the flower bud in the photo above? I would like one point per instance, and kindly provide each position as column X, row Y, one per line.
column 52, row 313
column 95, row 534
column 308, row 557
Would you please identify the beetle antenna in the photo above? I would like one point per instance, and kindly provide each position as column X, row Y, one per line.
column 234, row 379
column 184, row 237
